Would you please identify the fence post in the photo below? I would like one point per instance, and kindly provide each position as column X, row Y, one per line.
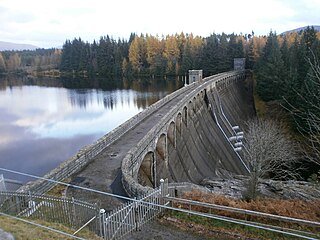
column 136, row 214
column 162, row 191
column 18, row 204
column 166, row 187
column 73, row 224
column 102, row 219
column 31, row 203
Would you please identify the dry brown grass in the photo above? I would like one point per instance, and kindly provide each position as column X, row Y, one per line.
column 58, row 190
column 308, row 210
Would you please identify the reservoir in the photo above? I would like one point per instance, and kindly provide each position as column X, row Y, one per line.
column 44, row 121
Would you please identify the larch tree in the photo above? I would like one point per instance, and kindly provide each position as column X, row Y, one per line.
column 137, row 54
column 154, row 54
column 14, row 62
column 2, row 64
column 171, row 54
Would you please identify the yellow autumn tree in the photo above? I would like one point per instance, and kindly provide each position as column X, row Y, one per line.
column 137, row 53
column 2, row 64
column 171, row 54
column 154, row 52
column 14, row 62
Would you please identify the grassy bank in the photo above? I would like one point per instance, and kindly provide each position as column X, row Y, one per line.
column 25, row 231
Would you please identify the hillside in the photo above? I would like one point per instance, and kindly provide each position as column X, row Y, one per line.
column 316, row 27
column 16, row 46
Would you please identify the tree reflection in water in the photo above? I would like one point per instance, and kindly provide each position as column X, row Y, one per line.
column 45, row 121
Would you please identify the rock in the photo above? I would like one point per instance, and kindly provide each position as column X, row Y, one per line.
column 171, row 219
column 236, row 187
column 5, row 236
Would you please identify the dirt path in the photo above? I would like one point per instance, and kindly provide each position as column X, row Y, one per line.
column 167, row 228
column 159, row 230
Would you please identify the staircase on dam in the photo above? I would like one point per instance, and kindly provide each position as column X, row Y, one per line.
column 183, row 137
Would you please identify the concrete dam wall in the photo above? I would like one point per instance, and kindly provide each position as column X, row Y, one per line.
column 191, row 142
column 184, row 137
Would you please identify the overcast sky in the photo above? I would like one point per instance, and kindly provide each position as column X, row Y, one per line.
column 49, row 23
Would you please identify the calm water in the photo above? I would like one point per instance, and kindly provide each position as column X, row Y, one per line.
column 45, row 121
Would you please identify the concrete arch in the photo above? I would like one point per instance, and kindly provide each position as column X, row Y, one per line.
column 161, row 168
column 199, row 98
column 147, row 171
column 161, row 147
column 202, row 93
column 185, row 116
column 178, row 122
column 171, row 134
column 190, row 109
column 195, row 104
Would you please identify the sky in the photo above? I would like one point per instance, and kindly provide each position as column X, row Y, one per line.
column 49, row 23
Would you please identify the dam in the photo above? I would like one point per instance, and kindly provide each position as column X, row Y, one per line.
column 191, row 134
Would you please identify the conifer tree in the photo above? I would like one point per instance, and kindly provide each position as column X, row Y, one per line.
column 271, row 71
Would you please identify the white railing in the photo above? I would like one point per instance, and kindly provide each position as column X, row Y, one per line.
column 68, row 211
column 132, row 215
column 135, row 213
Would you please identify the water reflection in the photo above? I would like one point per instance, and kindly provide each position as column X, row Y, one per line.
column 45, row 121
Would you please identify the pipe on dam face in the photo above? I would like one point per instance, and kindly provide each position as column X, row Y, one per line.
column 191, row 142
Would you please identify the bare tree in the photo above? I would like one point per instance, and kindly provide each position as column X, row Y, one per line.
column 310, row 115
column 313, row 116
column 269, row 152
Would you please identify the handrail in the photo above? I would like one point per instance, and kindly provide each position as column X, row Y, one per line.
column 225, row 135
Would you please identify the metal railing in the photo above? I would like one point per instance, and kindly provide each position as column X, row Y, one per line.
column 218, row 212
column 132, row 215
column 216, row 115
column 135, row 213
column 68, row 211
